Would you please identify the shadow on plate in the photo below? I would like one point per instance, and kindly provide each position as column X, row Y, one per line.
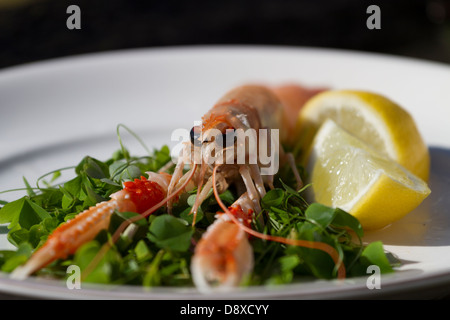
column 429, row 224
column 4, row 230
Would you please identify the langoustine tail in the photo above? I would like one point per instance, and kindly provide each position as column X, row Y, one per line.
column 294, row 96
column 68, row 237
column 137, row 196
column 331, row 251
column 224, row 256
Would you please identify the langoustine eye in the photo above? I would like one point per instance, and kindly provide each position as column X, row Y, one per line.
column 195, row 136
column 227, row 139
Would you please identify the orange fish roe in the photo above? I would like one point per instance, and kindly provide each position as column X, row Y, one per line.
column 144, row 193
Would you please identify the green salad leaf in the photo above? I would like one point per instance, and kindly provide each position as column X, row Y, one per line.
column 169, row 232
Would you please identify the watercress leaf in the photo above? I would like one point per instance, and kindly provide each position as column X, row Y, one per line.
column 22, row 254
column 374, row 255
column 139, row 228
column 191, row 200
column 120, row 154
column 37, row 232
column 142, row 251
column 31, row 214
column 5, row 255
column 30, row 190
column 50, row 224
column 152, row 276
column 273, row 198
column 130, row 173
column 344, row 219
column 318, row 262
column 72, row 187
column 110, row 182
column 304, row 188
column 18, row 236
column 93, row 196
column 96, row 169
column 10, row 211
column 189, row 217
column 159, row 159
column 67, row 201
column 120, row 170
column 290, row 190
column 163, row 154
column 22, row 212
column 55, row 175
column 306, row 229
column 92, row 167
column 274, row 220
column 116, row 168
column 71, row 191
column 103, row 270
column 320, row 214
column 79, row 169
column 289, row 262
column 281, row 215
column 169, row 232
column 141, row 222
column 48, row 198
column 227, row 197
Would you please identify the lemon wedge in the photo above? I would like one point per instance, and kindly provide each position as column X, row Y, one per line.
column 374, row 119
column 347, row 173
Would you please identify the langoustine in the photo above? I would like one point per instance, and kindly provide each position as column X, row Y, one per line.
column 223, row 257
column 142, row 196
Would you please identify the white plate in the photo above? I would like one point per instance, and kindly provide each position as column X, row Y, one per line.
column 53, row 113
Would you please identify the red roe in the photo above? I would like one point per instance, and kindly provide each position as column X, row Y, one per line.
column 246, row 218
column 144, row 193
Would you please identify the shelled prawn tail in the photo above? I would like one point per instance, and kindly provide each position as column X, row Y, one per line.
column 137, row 196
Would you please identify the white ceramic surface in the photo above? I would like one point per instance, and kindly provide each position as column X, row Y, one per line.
column 55, row 112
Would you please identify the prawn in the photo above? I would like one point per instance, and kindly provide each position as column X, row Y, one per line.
column 143, row 196
column 223, row 257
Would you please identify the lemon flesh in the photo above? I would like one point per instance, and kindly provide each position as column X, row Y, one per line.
column 377, row 121
column 349, row 174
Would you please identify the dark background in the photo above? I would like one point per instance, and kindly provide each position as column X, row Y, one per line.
column 32, row 30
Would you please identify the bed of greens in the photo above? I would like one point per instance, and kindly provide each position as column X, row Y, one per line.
column 159, row 253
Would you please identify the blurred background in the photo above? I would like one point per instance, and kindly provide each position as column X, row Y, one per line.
column 34, row 30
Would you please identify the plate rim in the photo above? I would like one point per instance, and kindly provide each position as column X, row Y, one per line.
column 175, row 49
